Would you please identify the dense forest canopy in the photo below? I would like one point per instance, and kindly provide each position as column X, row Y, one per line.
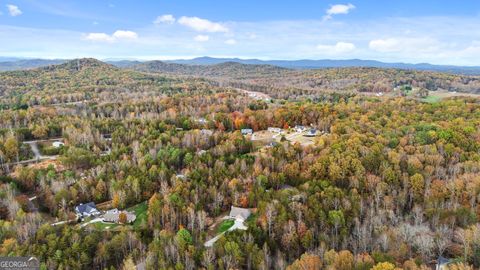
column 386, row 182
column 269, row 79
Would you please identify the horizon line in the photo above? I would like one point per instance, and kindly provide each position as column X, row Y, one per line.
column 241, row 58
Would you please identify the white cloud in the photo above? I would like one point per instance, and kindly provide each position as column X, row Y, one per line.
column 338, row 9
column 385, row 45
column 202, row 25
column 14, row 10
column 437, row 40
column 167, row 19
column 116, row 36
column 124, row 34
column 404, row 44
column 102, row 37
column 339, row 48
column 230, row 41
column 201, row 38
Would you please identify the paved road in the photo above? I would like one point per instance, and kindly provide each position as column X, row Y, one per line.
column 35, row 150
column 95, row 220
column 238, row 225
column 63, row 222
column 33, row 160
column 38, row 156
column 62, row 104
column 44, row 140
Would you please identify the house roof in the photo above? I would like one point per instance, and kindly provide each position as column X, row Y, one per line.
column 206, row 132
column 237, row 212
column 114, row 215
column 443, row 261
column 245, row 131
column 86, row 208
column 57, row 144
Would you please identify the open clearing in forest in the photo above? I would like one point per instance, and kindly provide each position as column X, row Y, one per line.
column 436, row 96
column 298, row 137
column 263, row 137
column 140, row 211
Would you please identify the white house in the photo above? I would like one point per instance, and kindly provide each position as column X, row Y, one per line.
column 201, row 120
column 247, row 131
column 311, row 132
column 240, row 214
column 299, row 128
column 181, row 176
column 275, row 130
column 57, row 144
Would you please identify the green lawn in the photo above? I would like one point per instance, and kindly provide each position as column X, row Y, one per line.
column 140, row 211
column 432, row 99
column 105, row 226
column 225, row 225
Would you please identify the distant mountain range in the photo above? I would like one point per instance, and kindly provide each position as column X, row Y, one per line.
column 20, row 64
column 223, row 69
column 316, row 64
column 11, row 63
column 265, row 78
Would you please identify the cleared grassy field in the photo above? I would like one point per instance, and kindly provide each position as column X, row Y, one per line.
column 261, row 138
column 436, row 96
column 102, row 226
column 140, row 211
column 300, row 138
column 225, row 225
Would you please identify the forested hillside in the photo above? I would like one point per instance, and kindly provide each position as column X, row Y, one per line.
column 347, row 181
column 294, row 83
column 80, row 80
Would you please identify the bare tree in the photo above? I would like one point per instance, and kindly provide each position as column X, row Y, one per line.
column 201, row 219
column 270, row 214
column 425, row 244
column 208, row 258
column 443, row 238
column 462, row 236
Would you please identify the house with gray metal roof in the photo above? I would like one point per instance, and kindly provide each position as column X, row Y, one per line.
column 86, row 210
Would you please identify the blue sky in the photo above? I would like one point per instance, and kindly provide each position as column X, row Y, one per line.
column 439, row 32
